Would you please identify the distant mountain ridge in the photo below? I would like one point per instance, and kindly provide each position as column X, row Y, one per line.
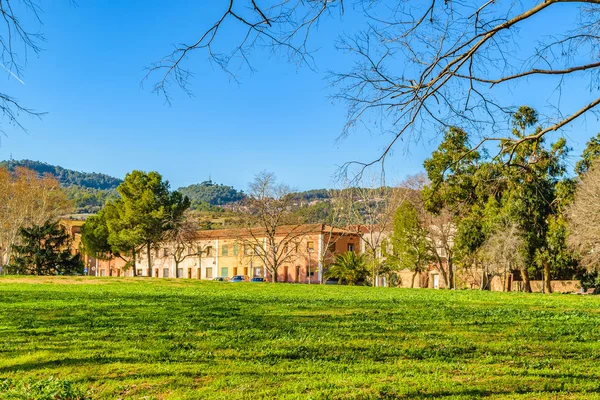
column 90, row 191
column 67, row 177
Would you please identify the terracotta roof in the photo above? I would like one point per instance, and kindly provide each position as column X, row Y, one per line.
column 282, row 230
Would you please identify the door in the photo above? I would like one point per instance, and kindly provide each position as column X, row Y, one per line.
column 436, row 281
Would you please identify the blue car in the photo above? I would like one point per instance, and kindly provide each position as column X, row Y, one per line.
column 240, row 278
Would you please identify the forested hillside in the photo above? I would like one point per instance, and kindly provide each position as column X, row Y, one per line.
column 66, row 177
column 206, row 194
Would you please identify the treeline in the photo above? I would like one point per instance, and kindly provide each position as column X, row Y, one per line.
column 88, row 200
column 501, row 213
column 66, row 177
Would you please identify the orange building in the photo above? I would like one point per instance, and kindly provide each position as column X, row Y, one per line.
column 301, row 253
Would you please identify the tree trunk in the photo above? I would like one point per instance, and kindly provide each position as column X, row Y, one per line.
column 133, row 263
column 149, row 260
column 412, row 284
column 276, row 267
column 484, row 279
column 547, row 278
column 526, row 282
column 274, row 275
column 450, row 274
column 443, row 272
column 508, row 282
column 374, row 270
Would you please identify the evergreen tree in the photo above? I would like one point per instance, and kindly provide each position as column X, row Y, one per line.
column 410, row 246
column 142, row 214
column 46, row 250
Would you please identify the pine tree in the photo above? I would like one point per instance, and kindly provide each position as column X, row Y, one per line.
column 45, row 250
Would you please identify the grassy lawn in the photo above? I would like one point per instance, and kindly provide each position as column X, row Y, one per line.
column 164, row 339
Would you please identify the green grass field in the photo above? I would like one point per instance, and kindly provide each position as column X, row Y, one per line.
column 110, row 338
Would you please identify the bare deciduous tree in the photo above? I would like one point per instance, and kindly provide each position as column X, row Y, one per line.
column 15, row 41
column 26, row 199
column 371, row 209
column 420, row 65
column 270, row 234
column 583, row 215
column 182, row 237
column 500, row 254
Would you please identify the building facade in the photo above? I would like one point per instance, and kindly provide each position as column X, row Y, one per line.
column 302, row 254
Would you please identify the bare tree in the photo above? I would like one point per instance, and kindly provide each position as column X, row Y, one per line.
column 270, row 234
column 371, row 208
column 182, row 237
column 15, row 42
column 441, row 231
column 419, row 65
column 583, row 215
column 500, row 254
column 26, row 199
column 440, row 228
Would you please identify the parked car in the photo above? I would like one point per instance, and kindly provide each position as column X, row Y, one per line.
column 220, row 279
column 240, row 278
column 257, row 279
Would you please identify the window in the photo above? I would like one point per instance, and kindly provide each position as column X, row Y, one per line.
column 180, row 272
column 165, row 272
column 165, row 252
column 331, row 248
column 247, row 250
column 189, row 273
column 139, row 272
column 234, row 271
column 310, row 274
column 245, row 270
column 224, row 251
column 310, row 246
column 224, row 272
column 156, row 253
column 209, row 273
column 350, row 246
column 102, row 272
column 235, row 249
column 190, row 251
column 286, row 249
column 208, row 251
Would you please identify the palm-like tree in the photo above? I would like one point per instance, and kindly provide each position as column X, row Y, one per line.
column 349, row 267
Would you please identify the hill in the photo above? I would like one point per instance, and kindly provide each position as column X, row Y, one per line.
column 67, row 177
column 206, row 194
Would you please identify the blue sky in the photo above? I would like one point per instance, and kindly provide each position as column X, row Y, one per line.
column 278, row 118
